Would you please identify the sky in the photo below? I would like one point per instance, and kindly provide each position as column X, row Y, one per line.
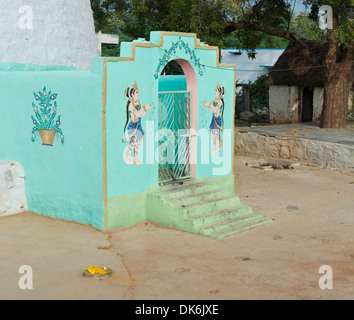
column 299, row 6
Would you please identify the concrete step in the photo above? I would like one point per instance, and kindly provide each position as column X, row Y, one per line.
column 231, row 222
column 175, row 191
column 209, row 219
column 230, row 228
column 181, row 185
column 207, row 206
column 197, row 197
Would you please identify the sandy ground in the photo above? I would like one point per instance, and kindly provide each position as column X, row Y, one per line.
column 277, row 261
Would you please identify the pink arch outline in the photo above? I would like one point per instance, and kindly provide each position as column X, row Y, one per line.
column 192, row 85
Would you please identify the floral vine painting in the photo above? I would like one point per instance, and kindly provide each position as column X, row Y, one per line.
column 172, row 51
column 45, row 119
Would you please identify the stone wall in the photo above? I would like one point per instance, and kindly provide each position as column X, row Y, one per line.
column 283, row 104
column 322, row 153
column 12, row 188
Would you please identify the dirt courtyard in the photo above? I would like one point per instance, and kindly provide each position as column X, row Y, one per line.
column 313, row 213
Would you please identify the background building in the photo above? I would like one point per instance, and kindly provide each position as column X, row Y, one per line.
column 248, row 69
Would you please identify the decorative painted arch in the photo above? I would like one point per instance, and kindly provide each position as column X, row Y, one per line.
column 171, row 52
column 142, row 62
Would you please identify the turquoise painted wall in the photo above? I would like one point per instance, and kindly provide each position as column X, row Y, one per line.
column 219, row 164
column 172, row 83
column 32, row 67
column 66, row 181
column 124, row 179
column 62, row 181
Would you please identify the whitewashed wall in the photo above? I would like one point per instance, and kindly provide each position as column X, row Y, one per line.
column 283, row 104
column 248, row 69
column 50, row 32
column 317, row 103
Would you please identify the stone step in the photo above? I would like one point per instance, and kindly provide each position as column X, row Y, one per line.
column 195, row 198
column 180, row 185
column 206, row 209
column 230, row 229
column 231, row 222
column 205, row 220
column 175, row 191
column 207, row 206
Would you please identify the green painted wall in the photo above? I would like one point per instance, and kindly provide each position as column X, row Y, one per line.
column 31, row 67
column 127, row 184
column 220, row 163
column 63, row 181
column 66, row 181
column 172, row 83
column 142, row 207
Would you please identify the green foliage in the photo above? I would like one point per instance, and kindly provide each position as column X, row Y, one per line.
column 259, row 93
column 195, row 16
column 342, row 16
column 232, row 40
column 99, row 15
column 110, row 17
column 300, row 24
column 132, row 19
column 306, row 28
column 137, row 18
column 173, row 68
column 110, row 51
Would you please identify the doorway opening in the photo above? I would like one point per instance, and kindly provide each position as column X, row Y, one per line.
column 177, row 121
column 307, row 105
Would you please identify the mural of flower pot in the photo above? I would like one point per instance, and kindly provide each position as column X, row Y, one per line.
column 44, row 119
column 47, row 136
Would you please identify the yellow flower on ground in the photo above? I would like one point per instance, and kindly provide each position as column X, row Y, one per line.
column 96, row 270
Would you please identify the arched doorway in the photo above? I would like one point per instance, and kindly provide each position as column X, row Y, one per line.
column 178, row 112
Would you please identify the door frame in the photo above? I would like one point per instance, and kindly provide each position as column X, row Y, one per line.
column 179, row 170
column 192, row 86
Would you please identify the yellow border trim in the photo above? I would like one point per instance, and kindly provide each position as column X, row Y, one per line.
column 159, row 45
column 132, row 58
column 233, row 132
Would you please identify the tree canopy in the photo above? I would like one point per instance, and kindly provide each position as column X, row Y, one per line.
column 248, row 24
column 137, row 18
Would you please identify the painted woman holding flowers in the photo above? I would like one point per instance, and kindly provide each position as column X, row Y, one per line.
column 217, row 106
column 135, row 111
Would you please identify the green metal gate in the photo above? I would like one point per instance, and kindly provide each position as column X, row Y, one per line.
column 174, row 142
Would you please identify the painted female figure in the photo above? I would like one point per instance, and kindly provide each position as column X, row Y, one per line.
column 216, row 106
column 135, row 111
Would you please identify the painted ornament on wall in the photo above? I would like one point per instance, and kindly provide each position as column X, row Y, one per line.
column 133, row 130
column 217, row 107
column 45, row 119
column 181, row 45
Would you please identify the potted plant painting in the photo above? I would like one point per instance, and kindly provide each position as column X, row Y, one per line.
column 45, row 121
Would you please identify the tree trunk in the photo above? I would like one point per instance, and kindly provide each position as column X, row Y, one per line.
column 339, row 80
column 335, row 99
